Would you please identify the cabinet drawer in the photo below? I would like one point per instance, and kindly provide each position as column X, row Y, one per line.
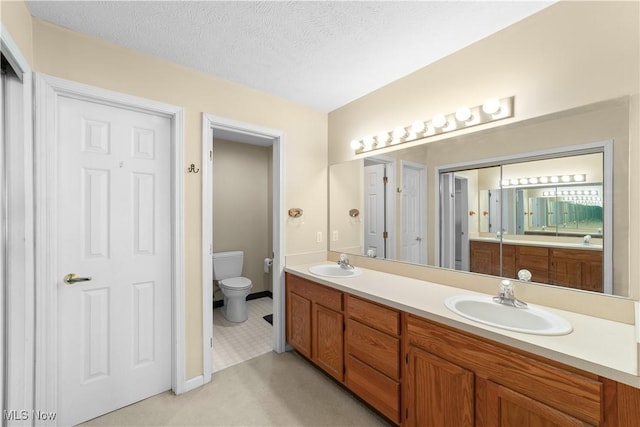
column 319, row 294
column 375, row 348
column 378, row 390
column 382, row 318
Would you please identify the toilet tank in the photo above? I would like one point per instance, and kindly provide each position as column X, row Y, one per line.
column 227, row 264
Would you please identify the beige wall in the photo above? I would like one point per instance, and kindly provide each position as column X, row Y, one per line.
column 17, row 20
column 569, row 55
column 66, row 54
column 346, row 184
column 242, row 215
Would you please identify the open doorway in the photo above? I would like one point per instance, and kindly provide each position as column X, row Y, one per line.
column 265, row 147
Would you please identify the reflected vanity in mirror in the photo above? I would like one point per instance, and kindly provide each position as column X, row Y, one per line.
column 535, row 196
column 543, row 218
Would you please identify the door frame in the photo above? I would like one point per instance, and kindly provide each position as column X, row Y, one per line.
column 47, row 91
column 209, row 124
column 17, row 305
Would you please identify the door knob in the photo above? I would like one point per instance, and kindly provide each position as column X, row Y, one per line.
column 72, row 278
column 419, row 239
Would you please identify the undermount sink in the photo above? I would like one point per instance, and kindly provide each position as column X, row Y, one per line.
column 529, row 320
column 334, row 270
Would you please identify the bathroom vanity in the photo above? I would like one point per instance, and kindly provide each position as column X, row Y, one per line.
column 390, row 340
column 569, row 266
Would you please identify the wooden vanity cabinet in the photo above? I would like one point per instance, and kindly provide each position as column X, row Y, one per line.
column 572, row 268
column 575, row 268
column 372, row 360
column 453, row 378
column 417, row 372
column 484, row 257
column 315, row 323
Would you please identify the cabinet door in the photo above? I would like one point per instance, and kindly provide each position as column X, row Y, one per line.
column 328, row 348
column 299, row 323
column 438, row 392
column 536, row 260
column 484, row 257
column 565, row 272
column 580, row 269
column 507, row 408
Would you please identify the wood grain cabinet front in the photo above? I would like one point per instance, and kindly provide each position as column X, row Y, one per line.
column 417, row 372
column 315, row 323
column 458, row 379
column 575, row 268
column 372, row 345
column 568, row 267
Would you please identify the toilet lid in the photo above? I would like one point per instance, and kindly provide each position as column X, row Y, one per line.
column 236, row 283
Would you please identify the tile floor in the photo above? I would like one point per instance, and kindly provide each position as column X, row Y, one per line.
column 235, row 343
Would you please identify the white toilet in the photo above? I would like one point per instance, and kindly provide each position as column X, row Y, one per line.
column 227, row 270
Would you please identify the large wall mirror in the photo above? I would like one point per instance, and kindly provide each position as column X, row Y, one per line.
column 544, row 201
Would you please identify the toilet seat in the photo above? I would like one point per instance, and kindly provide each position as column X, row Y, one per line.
column 236, row 283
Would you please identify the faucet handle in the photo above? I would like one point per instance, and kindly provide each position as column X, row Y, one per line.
column 506, row 288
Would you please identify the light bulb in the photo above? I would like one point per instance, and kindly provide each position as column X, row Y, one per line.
column 418, row 126
column 505, row 182
column 463, row 114
column 399, row 132
column 544, row 179
column 382, row 138
column 356, row 144
column 439, row 121
column 554, row 179
column 368, row 142
column 491, row 106
column 513, row 182
column 565, row 178
column 578, row 178
column 524, row 181
column 533, row 180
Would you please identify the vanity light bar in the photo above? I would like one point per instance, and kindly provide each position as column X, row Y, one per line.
column 491, row 110
column 536, row 180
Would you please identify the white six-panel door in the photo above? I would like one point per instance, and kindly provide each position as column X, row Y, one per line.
column 413, row 248
column 114, row 226
column 374, row 210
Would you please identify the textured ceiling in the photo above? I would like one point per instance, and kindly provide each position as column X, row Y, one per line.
column 321, row 54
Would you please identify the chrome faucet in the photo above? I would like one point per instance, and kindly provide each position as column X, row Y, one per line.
column 344, row 262
column 507, row 295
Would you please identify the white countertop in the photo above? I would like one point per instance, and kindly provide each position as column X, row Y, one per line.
column 568, row 245
column 603, row 347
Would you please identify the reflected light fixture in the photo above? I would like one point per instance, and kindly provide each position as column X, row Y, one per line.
column 537, row 180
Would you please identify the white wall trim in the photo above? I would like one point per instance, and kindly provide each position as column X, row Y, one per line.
column 193, row 383
column 20, row 293
column 48, row 89
column 209, row 123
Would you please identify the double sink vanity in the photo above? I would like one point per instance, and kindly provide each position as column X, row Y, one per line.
column 426, row 354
